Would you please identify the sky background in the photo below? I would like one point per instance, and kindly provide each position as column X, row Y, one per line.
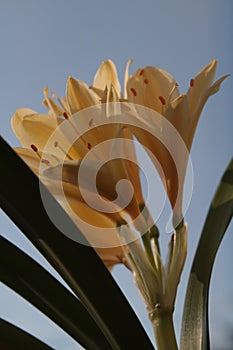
column 43, row 42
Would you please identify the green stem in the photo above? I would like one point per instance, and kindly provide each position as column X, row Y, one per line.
column 164, row 331
column 148, row 249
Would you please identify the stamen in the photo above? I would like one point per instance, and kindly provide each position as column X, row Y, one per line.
column 88, row 145
column 141, row 72
column 172, row 91
column 65, row 115
column 146, row 81
column 191, row 82
column 134, row 92
column 45, row 161
column 162, row 100
column 56, row 145
column 34, row 148
column 54, row 95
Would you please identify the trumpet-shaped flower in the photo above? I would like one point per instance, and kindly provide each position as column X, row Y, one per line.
column 156, row 89
column 49, row 151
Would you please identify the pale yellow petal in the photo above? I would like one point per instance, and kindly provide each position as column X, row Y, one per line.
column 54, row 108
column 200, row 84
column 37, row 129
column 107, row 73
column 79, row 95
column 202, row 100
column 99, row 230
column 33, row 128
column 100, row 177
column 126, row 77
column 152, row 87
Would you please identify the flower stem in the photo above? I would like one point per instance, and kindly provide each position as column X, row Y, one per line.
column 164, row 331
column 148, row 249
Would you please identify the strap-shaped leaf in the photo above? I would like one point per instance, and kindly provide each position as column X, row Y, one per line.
column 78, row 264
column 26, row 277
column 195, row 331
column 13, row 338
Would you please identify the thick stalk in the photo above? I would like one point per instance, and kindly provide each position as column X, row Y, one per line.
column 164, row 331
column 148, row 249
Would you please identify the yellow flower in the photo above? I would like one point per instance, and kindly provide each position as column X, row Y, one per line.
column 156, row 89
column 48, row 147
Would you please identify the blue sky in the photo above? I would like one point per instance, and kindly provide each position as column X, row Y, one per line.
column 44, row 42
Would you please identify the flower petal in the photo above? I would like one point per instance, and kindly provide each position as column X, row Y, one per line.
column 37, row 129
column 49, row 103
column 79, row 96
column 150, row 85
column 200, row 85
column 107, row 73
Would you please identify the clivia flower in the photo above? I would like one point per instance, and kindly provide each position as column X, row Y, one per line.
column 47, row 150
column 156, row 89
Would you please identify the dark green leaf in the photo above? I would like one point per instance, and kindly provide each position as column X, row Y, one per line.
column 195, row 331
column 77, row 263
column 13, row 338
column 19, row 272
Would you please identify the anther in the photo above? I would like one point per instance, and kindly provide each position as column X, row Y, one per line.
column 191, row 82
column 134, row 92
column 45, row 161
column 88, row 145
column 65, row 115
column 34, row 148
column 162, row 100
column 171, row 93
column 141, row 72
column 146, row 81
column 91, row 122
column 56, row 145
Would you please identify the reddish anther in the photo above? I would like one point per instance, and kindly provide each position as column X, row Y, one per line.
column 34, row 148
column 146, row 81
column 55, row 144
column 141, row 72
column 45, row 161
column 88, row 145
column 134, row 92
column 65, row 115
column 162, row 100
column 191, row 82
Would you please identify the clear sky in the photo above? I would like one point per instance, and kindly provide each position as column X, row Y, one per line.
column 43, row 42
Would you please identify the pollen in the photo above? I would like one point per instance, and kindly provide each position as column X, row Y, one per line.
column 45, row 161
column 34, row 148
column 191, row 82
column 141, row 72
column 134, row 92
column 56, row 144
column 65, row 115
column 162, row 100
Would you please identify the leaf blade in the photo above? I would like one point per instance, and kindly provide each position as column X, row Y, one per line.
column 77, row 263
column 13, row 338
column 195, row 331
column 26, row 277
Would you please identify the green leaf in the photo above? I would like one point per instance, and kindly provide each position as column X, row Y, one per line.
column 77, row 263
column 13, row 338
column 195, row 331
column 26, row 277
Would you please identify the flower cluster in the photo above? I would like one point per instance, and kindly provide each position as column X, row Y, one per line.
column 150, row 106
